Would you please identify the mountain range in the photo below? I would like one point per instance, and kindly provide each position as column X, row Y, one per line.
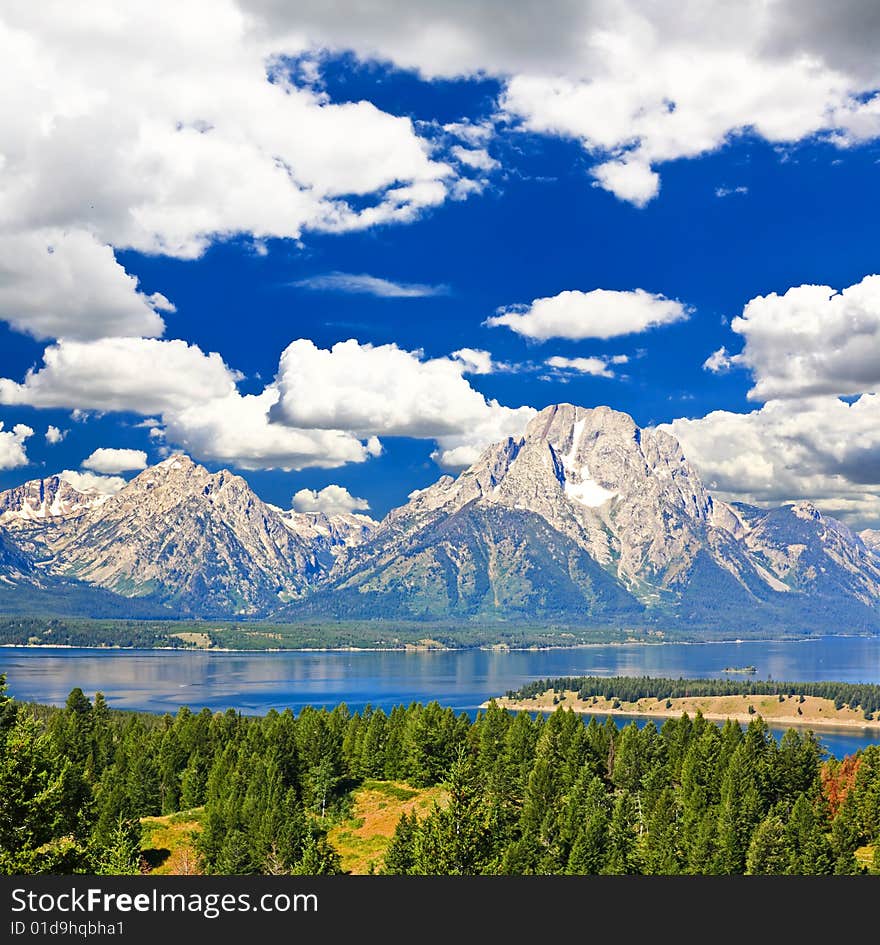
column 584, row 520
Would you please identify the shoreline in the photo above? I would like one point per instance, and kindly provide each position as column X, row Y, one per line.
column 415, row 648
column 837, row 725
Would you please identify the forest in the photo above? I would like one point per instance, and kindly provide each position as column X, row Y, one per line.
column 310, row 634
column 864, row 696
column 523, row 794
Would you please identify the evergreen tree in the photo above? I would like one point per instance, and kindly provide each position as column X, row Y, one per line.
column 590, row 846
column 622, row 857
column 121, row 856
column 768, row 853
column 456, row 839
column 400, row 858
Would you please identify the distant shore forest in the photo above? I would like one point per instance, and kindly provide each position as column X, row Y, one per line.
column 341, row 634
column 507, row 793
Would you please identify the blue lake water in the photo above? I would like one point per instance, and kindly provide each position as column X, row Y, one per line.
column 253, row 683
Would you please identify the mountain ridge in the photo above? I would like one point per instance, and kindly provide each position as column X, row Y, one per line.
column 585, row 517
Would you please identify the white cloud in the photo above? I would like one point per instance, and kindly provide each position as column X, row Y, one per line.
column 55, row 284
column 731, row 191
column 143, row 375
column 106, row 460
column 90, row 482
column 236, row 429
column 474, row 133
column 12, row 450
column 196, row 395
column 475, row 157
column 819, row 448
column 601, row 313
column 54, row 435
column 475, row 360
column 363, row 284
column 331, row 500
column 628, row 178
column 704, row 86
column 719, row 361
column 638, row 84
column 206, row 137
column 812, row 340
column 386, row 391
column 598, row 367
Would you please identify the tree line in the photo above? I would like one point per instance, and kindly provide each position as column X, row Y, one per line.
column 864, row 696
column 523, row 794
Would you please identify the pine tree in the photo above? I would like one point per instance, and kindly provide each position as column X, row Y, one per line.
column 769, row 853
column 622, row 858
column 400, row 857
column 121, row 855
column 318, row 858
column 456, row 840
column 590, row 846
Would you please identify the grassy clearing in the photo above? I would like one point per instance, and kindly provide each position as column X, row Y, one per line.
column 363, row 838
column 168, row 843
column 865, row 856
column 201, row 641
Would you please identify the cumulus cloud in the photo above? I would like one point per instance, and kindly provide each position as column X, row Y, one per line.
column 629, row 178
column 55, row 284
column 637, row 84
column 12, row 450
column 196, row 395
column 91, row 482
column 474, row 157
column 598, row 367
column 601, row 313
column 331, row 500
column 54, row 435
column 812, row 340
column 475, row 360
column 143, row 375
column 719, row 361
column 705, row 86
column 236, row 429
column 387, row 391
column 363, row 284
column 208, row 137
column 107, row 460
column 819, row 448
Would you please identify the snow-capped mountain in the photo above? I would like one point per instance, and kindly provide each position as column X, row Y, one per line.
column 180, row 534
column 328, row 535
column 50, row 498
column 584, row 519
column 590, row 516
column 871, row 539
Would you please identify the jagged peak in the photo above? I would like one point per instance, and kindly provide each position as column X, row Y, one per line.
column 806, row 510
column 177, row 461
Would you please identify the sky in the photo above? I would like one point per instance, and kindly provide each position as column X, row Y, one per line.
column 341, row 248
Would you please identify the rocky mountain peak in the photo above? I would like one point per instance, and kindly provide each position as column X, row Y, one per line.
column 47, row 499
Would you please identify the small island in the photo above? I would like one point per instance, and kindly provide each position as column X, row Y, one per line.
column 817, row 705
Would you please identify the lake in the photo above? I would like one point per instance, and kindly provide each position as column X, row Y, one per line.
column 162, row 680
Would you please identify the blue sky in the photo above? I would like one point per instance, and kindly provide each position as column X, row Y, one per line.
column 752, row 213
